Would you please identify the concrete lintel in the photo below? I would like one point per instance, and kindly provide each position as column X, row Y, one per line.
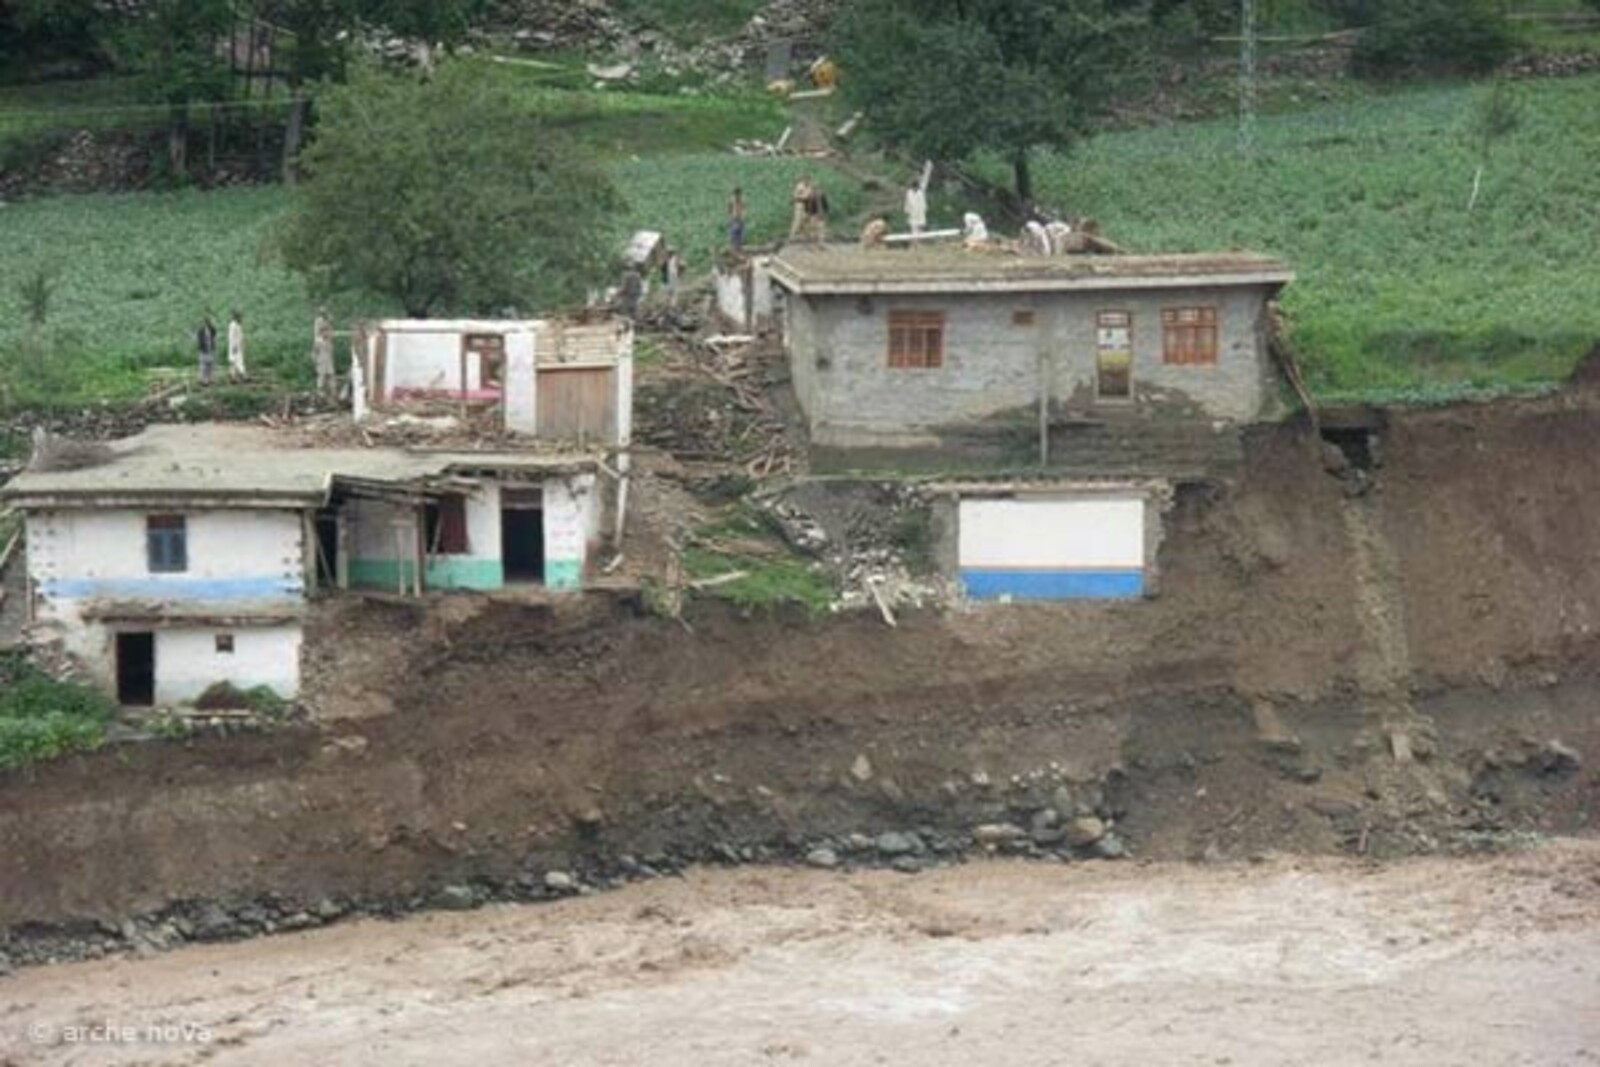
column 212, row 500
column 971, row 286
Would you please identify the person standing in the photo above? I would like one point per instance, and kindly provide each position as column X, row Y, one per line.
column 236, row 371
column 671, row 274
column 630, row 292
column 206, row 340
column 803, row 192
column 736, row 221
column 916, row 207
column 322, row 352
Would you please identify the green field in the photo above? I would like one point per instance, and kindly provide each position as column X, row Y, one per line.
column 1401, row 292
column 134, row 272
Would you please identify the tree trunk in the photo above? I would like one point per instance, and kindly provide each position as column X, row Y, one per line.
column 293, row 134
column 1024, row 178
column 178, row 138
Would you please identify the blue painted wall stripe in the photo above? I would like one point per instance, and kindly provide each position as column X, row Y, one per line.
column 988, row 584
column 174, row 587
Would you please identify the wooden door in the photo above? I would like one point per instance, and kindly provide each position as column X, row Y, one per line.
column 577, row 402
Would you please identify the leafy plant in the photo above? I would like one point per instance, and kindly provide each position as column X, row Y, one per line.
column 35, row 290
column 42, row 718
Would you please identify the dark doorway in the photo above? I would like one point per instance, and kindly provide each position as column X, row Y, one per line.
column 327, row 548
column 522, row 544
column 136, row 669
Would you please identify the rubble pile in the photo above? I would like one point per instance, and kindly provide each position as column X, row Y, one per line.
column 711, row 406
column 550, row 24
column 876, row 536
column 591, row 25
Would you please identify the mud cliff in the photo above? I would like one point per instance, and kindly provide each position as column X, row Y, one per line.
column 1409, row 668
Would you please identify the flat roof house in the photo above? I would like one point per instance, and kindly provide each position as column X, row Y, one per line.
column 186, row 555
column 932, row 348
column 1104, row 378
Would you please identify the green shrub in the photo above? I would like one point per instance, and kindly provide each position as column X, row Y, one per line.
column 913, row 536
column 764, row 583
column 1412, row 37
column 42, row 718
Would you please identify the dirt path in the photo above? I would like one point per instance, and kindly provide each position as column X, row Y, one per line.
column 1484, row 961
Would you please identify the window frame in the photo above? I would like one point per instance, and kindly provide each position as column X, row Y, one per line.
column 166, row 543
column 1191, row 335
column 916, row 339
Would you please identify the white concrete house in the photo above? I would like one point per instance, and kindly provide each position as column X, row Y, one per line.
column 186, row 555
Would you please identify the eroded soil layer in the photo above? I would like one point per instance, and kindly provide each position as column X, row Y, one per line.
column 1411, row 669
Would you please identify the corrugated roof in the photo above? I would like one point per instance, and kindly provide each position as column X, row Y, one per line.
column 951, row 268
column 251, row 465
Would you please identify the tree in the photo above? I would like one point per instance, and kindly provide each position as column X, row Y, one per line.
column 944, row 79
column 447, row 196
column 174, row 44
column 319, row 35
column 1409, row 37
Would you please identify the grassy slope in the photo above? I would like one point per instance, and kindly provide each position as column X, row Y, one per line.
column 136, row 271
column 1400, row 288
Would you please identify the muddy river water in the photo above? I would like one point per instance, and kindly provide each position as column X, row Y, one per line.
column 1287, row 961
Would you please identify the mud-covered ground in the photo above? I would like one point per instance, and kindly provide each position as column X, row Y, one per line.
column 1439, row 961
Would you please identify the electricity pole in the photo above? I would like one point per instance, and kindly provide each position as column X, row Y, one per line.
column 1247, row 76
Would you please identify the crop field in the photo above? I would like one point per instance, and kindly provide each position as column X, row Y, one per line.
column 1402, row 293
column 133, row 273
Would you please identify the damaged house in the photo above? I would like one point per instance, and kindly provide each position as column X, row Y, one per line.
column 558, row 379
column 189, row 555
column 1096, row 381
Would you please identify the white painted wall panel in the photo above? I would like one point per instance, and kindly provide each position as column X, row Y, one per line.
column 1052, row 533
column 111, row 544
column 187, row 661
column 419, row 360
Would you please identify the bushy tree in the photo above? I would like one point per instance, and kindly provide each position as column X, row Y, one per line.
column 174, row 46
column 448, row 196
column 945, row 79
column 1408, row 37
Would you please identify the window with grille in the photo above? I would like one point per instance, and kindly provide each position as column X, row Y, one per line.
column 916, row 338
column 1189, row 335
column 166, row 543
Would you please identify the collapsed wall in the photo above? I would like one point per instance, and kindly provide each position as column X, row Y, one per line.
column 1413, row 674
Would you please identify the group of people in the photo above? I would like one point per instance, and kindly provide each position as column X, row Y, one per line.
column 206, row 339
column 321, row 350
